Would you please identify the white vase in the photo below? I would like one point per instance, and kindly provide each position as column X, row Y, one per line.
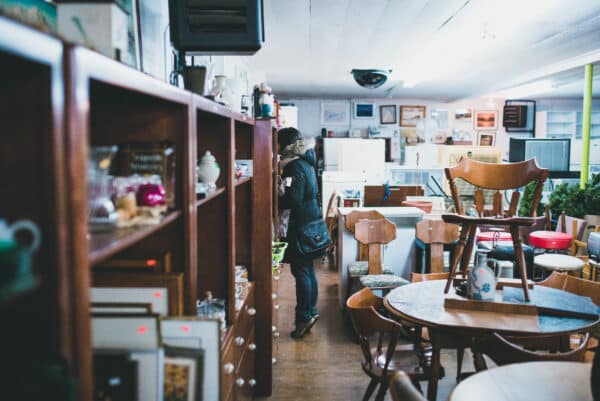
column 219, row 87
column 482, row 280
column 208, row 170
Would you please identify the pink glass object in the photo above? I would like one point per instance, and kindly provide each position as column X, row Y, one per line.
column 150, row 195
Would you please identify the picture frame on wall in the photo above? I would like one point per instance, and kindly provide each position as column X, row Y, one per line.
column 335, row 113
column 463, row 114
column 159, row 262
column 486, row 138
column 410, row 115
column 387, row 114
column 133, row 56
column 183, row 373
column 486, row 120
column 363, row 111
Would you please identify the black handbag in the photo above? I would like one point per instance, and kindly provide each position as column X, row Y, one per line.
column 313, row 239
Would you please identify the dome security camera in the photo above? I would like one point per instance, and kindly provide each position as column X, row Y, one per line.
column 370, row 78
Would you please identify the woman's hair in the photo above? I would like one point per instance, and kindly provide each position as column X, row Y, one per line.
column 287, row 136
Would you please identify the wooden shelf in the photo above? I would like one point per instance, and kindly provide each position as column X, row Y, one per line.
column 105, row 245
column 212, row 195
column 242, row 180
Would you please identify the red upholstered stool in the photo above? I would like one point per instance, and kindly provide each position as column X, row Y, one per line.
column 493, row 236
column 550, row 240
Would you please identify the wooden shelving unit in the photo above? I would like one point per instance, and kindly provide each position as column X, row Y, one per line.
column 43, row 165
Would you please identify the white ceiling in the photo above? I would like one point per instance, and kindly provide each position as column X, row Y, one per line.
column 452, row 49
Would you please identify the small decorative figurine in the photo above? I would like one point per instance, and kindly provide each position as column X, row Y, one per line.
column 208, row 170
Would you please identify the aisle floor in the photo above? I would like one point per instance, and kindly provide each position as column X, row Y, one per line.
column 325, row 364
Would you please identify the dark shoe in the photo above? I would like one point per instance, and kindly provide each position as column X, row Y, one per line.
column 301, row 329
column 312, row 321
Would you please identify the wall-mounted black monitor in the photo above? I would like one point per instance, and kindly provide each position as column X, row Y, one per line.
column 553, row 154
column 519, row 116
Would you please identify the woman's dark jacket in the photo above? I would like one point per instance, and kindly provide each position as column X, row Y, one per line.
column 300, row 198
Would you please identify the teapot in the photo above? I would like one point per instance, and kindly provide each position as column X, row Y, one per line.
column 482, row 279
column 15, row 257
column 208, row 170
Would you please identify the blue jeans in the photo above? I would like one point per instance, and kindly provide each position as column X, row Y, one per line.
column 307, row 289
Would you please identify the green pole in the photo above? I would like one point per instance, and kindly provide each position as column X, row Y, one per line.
column 585, row 129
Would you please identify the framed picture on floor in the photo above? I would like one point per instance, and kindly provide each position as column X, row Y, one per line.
column 486, row 138
column 183, row 370
column 486, row 119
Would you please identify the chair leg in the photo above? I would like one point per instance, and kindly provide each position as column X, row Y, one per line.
column 370, row 389
column 457, row 254
column 381, row 392
column 460, row 353
column 479, row 362
column 417, row 385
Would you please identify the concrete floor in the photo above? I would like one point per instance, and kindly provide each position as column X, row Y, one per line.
column 325, row 364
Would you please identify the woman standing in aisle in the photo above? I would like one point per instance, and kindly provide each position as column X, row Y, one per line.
column 306, row 233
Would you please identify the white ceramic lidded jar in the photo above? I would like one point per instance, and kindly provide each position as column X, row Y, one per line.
column 482, row 280
column 208, row 170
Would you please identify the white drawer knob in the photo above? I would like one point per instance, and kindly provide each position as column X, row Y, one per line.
column 273, row 361
column 239, row 382
column 276, row 306
column 239, row 341
column 228, row 368
column 251, row 311
column 251, row 346
column 273, row 329
column 276, row 278
column 276, row 334
column 274, row 296
column 252, row 382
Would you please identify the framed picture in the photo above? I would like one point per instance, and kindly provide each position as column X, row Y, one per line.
column 120, row 308
column 199, row 334
column 173, row 282
column 40, row 14
column 183, row 370
column 409, row 115
column 153, row 22
column 115, row 376
column 387, row 114
column 463, row 115
column 159, row 263
column 486, row 119
column 158, row 298
column 335, row 113
column 133, row 57
column 486, row 138
column 364, row 111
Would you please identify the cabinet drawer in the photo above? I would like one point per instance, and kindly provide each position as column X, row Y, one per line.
column 244, row 326
column 245, row 379
column 228, row 368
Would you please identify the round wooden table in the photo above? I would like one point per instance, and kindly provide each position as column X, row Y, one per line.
column 548, row 381
column 422, row 304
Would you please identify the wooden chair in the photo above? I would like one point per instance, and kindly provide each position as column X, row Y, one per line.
column 498, row 177
column 331, row 219
column 459, row 343
column 360, row 266
column 384, row 359
column 502, row 351
column 374, row 234
column 566, row 238
column 402, row 388
column 434, row 236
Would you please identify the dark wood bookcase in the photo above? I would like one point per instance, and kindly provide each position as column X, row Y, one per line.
column 57, row 101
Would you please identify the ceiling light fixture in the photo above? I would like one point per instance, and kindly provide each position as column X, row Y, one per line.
column 370, row 78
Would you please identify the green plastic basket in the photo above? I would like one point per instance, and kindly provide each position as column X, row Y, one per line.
column 278, row 252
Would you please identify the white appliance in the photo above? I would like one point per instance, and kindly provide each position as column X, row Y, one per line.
column 366, row 156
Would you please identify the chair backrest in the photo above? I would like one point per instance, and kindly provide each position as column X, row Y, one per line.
column 499, row 177
column 335, row 201
column 503, row 352
column 575, row 285
column 418, row 277
column 352, row 218
column 402, row 389
column 375, row 195
column 571, row 225
column 436, row 231
column 374, row 233
column 362, row 308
